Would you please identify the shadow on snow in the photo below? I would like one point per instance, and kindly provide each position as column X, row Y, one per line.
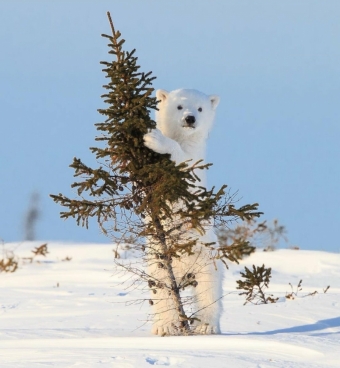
column 317, row 326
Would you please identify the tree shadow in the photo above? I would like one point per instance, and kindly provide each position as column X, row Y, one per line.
column 317, row 326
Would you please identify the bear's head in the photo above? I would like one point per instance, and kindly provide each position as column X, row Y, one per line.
column 184, row 113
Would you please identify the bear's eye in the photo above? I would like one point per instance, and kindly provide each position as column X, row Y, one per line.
column 200, row 109
column 179, row 107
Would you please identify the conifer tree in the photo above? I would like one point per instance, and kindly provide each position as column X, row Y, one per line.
column 254, row 284
column 138, row 196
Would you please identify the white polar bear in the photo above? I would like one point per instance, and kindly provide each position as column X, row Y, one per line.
column 184, row 120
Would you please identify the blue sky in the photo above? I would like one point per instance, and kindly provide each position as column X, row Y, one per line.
column 275, row 65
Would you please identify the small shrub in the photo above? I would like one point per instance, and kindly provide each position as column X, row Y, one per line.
column 293, row 294
column 254, row 284
column 9, row 262
column 42, row 250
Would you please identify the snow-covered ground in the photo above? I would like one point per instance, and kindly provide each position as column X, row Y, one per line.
column 60, row 313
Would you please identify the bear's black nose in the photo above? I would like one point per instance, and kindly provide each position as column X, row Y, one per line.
column 190, row 120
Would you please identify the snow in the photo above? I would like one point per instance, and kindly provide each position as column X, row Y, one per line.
column 58, row 313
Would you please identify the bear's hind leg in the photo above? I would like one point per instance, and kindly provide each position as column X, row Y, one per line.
column 208, row 293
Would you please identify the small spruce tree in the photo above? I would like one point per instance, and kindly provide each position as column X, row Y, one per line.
column 254, row 284
column 138, row 196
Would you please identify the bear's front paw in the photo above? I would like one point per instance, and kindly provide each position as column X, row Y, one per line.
column 157, row 142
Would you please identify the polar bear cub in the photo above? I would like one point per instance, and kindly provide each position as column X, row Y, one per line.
column 184, row 120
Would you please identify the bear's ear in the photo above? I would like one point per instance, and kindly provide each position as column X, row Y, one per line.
column 215, row 100
column 161, row 95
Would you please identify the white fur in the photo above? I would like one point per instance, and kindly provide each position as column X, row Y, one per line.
column 187, row 142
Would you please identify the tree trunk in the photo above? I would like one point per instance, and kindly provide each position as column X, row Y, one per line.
column 174, row 289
